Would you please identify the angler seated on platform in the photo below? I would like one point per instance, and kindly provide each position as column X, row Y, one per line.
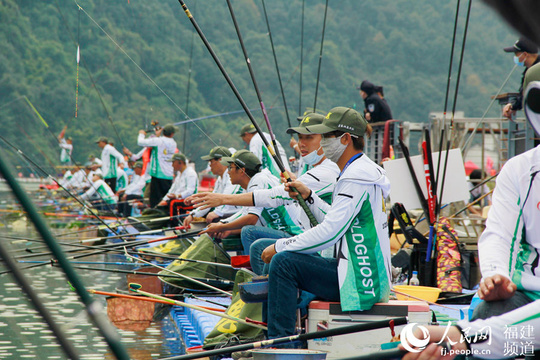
column 100, row 194
column 346, row 257
column 184, row 184
column 245, row 170
column 321, row 178
column 223, row 185
column 80, row 179
column 133, row 193
column 509, row 246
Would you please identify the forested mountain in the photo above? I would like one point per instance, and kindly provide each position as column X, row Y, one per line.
column 136, row 60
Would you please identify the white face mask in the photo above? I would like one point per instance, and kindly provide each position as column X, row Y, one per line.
column 313, row 158
column 333, row 148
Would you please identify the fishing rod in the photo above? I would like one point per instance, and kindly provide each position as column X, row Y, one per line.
column 300, row 112
column 137, row 288
column 93, row 308
column 188, row 84
column 180, row 275
column 253, row 80
column 455, row 99
column 277, row 65
column 148, row 299
column 446, row 97
column 143, row 72
column 320, row 57
column 371, row 325
column 58, row 183
column 277, row 159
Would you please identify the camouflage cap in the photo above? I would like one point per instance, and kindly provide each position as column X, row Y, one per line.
column 102, row 139
column 244, row 159
column 217, row 153
column 341, row 119
column 308, row 119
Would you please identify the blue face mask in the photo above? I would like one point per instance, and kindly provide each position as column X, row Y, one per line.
column 313, row 158
column 517, row 62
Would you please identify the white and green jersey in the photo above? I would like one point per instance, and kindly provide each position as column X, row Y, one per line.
column 185, row 184
column 122, row 180
column 320, row 180
column 510, row 244
column 507, row 334
column 163, row 148
column 103, row 190
column 256, row 146
column 356, row 224
column 65, row 154
column 283, row 217
column 110, row 158
column 79, row 180
column 222, row 186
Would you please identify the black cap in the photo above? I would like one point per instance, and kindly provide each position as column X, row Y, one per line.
column 522, row 45
column 379, row 89
column 367, row 86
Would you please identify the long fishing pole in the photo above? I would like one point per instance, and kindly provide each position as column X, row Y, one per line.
column 136, row 288
column 253, row 80
column 148, row 299
column 180, row 275
column 188, row 85
column 320, row 57
column 93, row 308
column 300, row 112
column 371, row 325
column 276, row 63
column 455, row 99
column 270, row 148
column 449, row 78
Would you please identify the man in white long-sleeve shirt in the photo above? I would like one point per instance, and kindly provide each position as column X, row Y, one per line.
column 355, row 225
column 223, row 185
column 249, row 134
column 110, row 158
column 509, row 247
column 185, row 183
column 161, row 170
column 134, row 191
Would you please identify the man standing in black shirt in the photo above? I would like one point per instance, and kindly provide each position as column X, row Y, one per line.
column 525, row 54
column 377, row 109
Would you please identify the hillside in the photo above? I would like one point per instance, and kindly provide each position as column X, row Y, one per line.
column 400, row 44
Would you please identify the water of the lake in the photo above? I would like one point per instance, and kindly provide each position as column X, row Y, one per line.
column 25, row 335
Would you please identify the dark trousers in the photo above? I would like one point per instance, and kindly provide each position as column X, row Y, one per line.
column 158, row 189
column 124, row 207
column 112, row 183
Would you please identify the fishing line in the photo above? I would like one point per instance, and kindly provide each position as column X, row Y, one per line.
column 276, row 63
column 300, row 112
column 142, row 71
column 320, row 57
column 455, row 99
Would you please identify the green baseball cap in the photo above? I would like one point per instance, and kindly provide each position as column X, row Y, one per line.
column 217, row 153
column 248, row 128
column 341, row 119
column 309, row 119
column 102, row 139
column 179, row 157
column 138, row 164
column 531, row 98
column 243, row 158
column 169, row 129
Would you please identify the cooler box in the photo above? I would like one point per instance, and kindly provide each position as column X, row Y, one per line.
column 324, row 315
